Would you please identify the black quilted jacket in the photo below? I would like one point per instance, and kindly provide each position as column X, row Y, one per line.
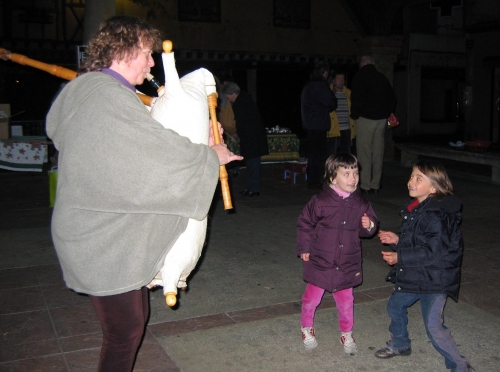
column 430, row 248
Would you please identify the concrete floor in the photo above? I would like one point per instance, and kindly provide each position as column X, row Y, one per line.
column 242, row 309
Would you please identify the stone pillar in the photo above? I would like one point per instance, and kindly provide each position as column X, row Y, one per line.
column 384, row 50
column 96, row 12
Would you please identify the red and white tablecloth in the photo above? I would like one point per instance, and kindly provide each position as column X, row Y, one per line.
column 23, row 153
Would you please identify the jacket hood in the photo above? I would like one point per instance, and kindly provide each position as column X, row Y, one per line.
column 449, row 204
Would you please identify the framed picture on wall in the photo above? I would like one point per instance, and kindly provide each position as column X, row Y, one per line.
column 199, row 11
column 292, row 13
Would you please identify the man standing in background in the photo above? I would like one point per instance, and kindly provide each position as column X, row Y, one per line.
column 373, row 100
column 251, row 132
column 317, row 101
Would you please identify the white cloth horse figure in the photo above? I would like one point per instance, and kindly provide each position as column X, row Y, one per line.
column 183, row 108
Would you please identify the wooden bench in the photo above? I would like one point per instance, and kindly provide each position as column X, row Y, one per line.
column 411, row 151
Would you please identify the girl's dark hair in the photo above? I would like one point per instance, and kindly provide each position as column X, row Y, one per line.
column 438, row 176
column 119, row 38
column 341, row 159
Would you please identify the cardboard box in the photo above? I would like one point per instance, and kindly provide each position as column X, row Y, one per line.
column 4, row 120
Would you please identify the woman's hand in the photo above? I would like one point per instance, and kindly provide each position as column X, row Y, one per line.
column 305, row 256
column 211, row 139
column 225, row 156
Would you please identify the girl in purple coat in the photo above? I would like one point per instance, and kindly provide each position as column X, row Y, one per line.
column 328, row 241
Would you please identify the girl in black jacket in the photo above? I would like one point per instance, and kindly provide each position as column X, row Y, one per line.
column 426, row 263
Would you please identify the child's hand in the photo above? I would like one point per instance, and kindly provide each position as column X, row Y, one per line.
column 305, row 256
column 390, row 257
column 388, row 237
column 366, row 222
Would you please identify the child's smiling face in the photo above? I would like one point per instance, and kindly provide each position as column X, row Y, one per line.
column 420, row 186
column 347, row 179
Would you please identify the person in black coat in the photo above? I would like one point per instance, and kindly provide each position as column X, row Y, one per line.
column 316, row 102
column 251, row 132
column 427, row 263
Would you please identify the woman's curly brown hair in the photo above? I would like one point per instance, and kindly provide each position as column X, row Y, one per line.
column 119, row 38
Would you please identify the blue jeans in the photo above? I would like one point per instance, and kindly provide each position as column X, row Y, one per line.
column 432, row 306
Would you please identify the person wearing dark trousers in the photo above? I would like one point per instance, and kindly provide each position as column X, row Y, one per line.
column 251, row 132
column 316, row 102
column 118, row 212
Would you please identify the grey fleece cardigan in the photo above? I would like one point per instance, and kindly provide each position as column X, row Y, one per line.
column 126, row 186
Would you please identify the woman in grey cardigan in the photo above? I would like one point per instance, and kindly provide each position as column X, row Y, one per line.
column 123, row 195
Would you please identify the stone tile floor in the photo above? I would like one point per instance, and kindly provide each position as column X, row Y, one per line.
column 46, row 327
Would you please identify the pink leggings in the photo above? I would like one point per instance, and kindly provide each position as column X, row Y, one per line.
column 345, row 306
column 123, row 319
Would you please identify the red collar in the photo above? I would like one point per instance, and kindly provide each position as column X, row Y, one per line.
column 412, row 205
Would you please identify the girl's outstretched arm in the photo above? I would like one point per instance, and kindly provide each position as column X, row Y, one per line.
column 388, row 237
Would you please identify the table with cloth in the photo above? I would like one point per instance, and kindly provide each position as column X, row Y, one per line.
column 282, row 147
column 27, row 153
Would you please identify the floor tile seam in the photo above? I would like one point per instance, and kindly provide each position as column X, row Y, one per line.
column 489, row 309
column 479, row 277
column 368, row 290
column 476, row 278
column 477, row 250
column 27, row 267
column 231, row 315
column 156, row 339
column 29, row 343
column 54, row 328
column 21, row 287
column 26, row 312
column 62, row 354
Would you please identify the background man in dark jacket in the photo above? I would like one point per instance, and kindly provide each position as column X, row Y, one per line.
column 317, row 101
column 372, row 102
column 250, row 129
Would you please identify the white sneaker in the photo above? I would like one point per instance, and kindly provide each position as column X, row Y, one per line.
column 347, row 340
column 309, row 338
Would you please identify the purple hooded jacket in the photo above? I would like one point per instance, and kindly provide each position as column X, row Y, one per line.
column 329, row 228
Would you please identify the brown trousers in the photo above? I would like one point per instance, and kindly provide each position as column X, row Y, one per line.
column 123, row 320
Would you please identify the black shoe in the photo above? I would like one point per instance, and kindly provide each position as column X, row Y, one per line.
column 374, row 191
column 365, row 192
column 249, row 193
column 387, row 353
column 469, row 368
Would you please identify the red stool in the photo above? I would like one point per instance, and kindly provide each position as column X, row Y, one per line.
column 295, row 168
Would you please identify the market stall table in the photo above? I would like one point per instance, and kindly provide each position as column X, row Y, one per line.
column 26, row 153
column 282, row 147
